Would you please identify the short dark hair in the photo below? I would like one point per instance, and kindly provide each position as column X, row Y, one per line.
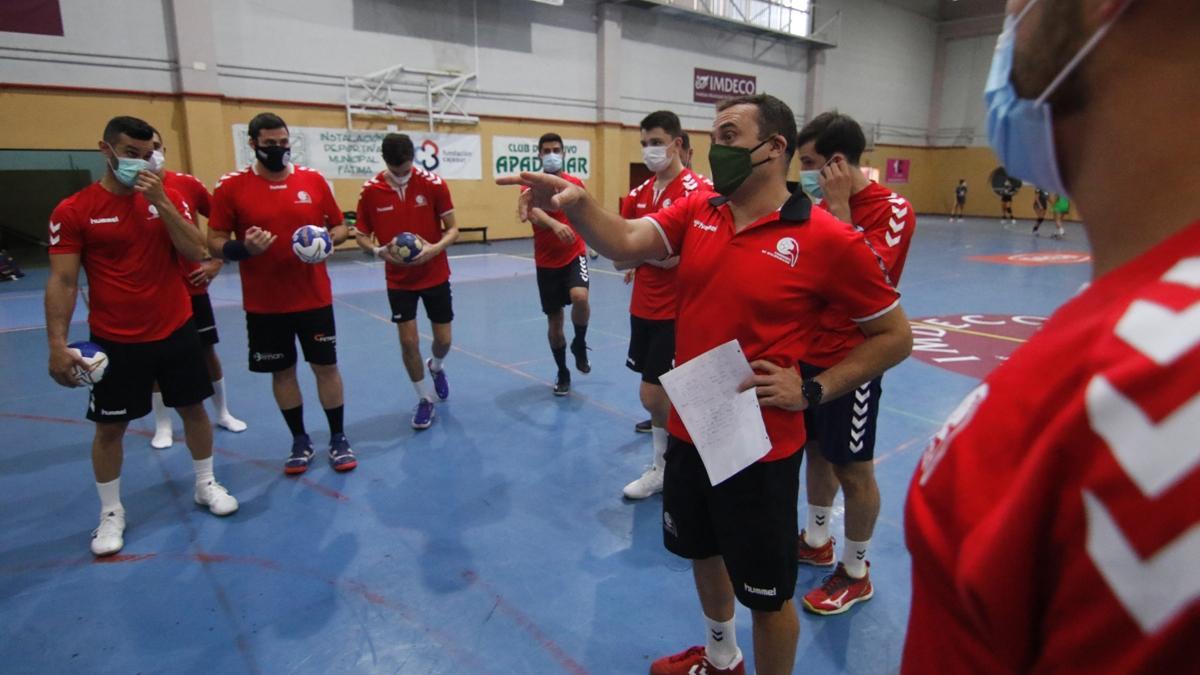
column 265, row 120
column 130, row 126
column 687, row 140
column 397, row 149
column 665, row 120
column 550, row 137
column 834, row 132
column 774, row 117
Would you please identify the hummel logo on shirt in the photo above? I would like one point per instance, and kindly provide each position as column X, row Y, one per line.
column 704, row 226
column 98, row 221
column 384, row 209
column 278, row 186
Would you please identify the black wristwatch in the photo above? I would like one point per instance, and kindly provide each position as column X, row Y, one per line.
column 813, row 392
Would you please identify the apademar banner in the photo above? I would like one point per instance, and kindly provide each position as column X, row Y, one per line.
column 513, row 154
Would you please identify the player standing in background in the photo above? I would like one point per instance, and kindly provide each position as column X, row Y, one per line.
column 960, row 200
column 841, row 433
column 284, row 298
column 1041, row 200
column 127, row 232
column 1007, row 190
column 652, row 307
column 1054, row 521
column 406, row 198
column 562, row 273
column 196, row 278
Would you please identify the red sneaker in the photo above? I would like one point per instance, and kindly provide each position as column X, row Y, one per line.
column 693, row 662
column 820, row 556
column 839, row 592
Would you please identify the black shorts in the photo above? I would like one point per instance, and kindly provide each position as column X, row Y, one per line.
column 749, row 519
column 206, row 323
column 272, row 339
column 555, row 283
column 438, row 305
column 651, row 347
column 961, row 201
column 176, row 362
column 844, row 428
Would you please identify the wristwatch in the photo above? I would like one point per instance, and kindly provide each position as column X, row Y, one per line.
column 813, row 392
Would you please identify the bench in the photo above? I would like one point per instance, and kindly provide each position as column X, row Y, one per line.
column 480, row 229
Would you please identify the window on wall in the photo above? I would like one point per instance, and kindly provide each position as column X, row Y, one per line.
column 785, row 16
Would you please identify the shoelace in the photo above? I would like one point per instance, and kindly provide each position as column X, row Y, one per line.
column 836, row 582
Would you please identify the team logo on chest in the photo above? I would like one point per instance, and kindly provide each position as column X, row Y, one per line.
column 786, row 250
column 666, row 202
column 153, row 211
column 421, row 201
column 302, row 197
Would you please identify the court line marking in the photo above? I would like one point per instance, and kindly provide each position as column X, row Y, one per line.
column 1009, row 338
column 590, row 268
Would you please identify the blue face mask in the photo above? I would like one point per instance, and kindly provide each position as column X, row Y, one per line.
column 810, row 182
column 552, row 162
column 1021, row 131
column 128, row 168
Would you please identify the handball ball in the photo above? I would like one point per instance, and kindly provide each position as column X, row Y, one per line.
column 407, row 246
column 311, row 244
column 96, row 359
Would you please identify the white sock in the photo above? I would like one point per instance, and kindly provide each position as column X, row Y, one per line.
column 854, row 557
column 423, row 390
column 204, row 470
column 816, row 532
column 435, row 364
column 721, row 643
column 110, row 496
column 218, row 398
column 162, row 416
column 658, row 439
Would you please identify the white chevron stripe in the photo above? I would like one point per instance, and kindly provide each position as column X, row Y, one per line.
column 1155, row 456
column 891, row 239
column 1186, row 272
column 856, row 446
column 1153, row 590
column 1160, row 333
column 899, row 213
column 55, row 227
column 857, row 435
column 896, row 226
column 861, row 409
column 862, row 396
column 54, row 239
column 858, row 422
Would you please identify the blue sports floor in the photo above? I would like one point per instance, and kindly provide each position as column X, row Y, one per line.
column 495, row 542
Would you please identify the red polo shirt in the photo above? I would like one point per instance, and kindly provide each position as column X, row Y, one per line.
column 766, row 286
column 386, row 210
column 548, row 250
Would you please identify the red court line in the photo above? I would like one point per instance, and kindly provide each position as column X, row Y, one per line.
column 257, row 463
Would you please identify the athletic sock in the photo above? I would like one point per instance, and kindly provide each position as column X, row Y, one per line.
column 334, row 416
column 218, row 398
column 435, row 364
column 580, row 333
column 110, row 496
column 854, row 557
column 721, row 643
column 422, row 389
column 162, row 416
column 816, row 532
column 560, row 358
column 204, row 470
column 295, row 420
column 658, row 440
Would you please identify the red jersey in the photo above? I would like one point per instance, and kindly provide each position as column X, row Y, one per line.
column 654, row 287
column 548, row 250
column 276, row 281
column 134, row 294
column 197, row 197
column 386, row 210
column 1054, row 521
column 888, row 221
column 764, row 286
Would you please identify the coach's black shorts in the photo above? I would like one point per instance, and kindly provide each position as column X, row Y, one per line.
column 437, row 300
column 651, row 347
column 272, row 339
column 176, row 362
column 206, row 323
column 749, row 519
column 555, row 283
column 844, row 428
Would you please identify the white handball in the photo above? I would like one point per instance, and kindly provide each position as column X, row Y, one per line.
column 96, row 359
column 311, row 244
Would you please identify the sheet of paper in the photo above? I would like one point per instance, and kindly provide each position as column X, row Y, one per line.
column 726, row 427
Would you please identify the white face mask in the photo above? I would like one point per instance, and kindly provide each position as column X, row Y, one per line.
column 157, row 161
column 552, row 162
column 400, row 179
column 655, row 157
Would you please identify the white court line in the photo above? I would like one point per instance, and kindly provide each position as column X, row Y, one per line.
column 590, row 268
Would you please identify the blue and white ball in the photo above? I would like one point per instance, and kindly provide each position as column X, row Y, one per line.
column 407, row 246
column 311, row 244
column 97, row 362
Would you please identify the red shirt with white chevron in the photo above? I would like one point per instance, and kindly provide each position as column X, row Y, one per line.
column 276, row 281
column 386, row 210
column 888, row 221
column 198, row 198
column 1054, row 521
column 134, row 294
column 654, row 287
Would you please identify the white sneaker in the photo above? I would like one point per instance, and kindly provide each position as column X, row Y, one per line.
column 163, row 438
column 109, row 538
column 650, row 483
column 218, row 500
column 231, row 423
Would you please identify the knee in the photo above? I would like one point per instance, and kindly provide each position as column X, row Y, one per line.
column 654, row 399
column 193, row 414
column 579, row 296
column 857, row 478
column 410, row 344
column 108, row 434
column 325, row 373
column 287, row 376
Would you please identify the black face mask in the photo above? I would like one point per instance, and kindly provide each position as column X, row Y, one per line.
column 274, row 157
